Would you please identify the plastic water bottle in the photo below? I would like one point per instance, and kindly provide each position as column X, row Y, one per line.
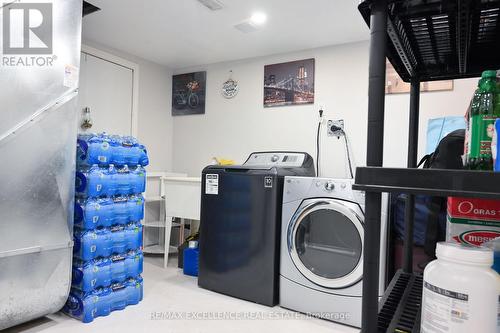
column 134, row 288
column 118, row 268
column 119, row 244
column 123, row 181
column 143, row 159
column 82, row 148
column 136, row 208
column 92, row 244
column 131, row 150
column 90, row 182
column 89, row 275
column 134, row 262
column 121, row 210
column 191, row 259
column 138, row 180
column 133, row 236
column 119, row 152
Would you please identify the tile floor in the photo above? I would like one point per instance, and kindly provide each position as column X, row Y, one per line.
column 170, row 293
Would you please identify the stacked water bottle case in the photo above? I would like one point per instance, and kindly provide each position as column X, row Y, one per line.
column 109, row 206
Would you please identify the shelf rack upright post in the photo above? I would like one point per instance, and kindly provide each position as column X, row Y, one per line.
column 425, row 40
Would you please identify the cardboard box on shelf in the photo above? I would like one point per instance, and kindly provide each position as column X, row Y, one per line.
column 472, row 221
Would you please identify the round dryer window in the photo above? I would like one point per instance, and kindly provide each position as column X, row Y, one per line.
column 325, row 241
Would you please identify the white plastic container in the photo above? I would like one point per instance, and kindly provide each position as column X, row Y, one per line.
column 461, row 291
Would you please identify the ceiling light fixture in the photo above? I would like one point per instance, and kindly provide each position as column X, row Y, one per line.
column 258, row 18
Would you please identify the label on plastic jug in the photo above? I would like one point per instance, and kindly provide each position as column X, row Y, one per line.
column 212, row 184
column 442, row 308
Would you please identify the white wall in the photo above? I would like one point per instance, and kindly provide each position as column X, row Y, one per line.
column 234, row 128
column 155, row 120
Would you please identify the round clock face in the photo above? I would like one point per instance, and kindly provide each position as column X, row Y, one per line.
column 229, row 88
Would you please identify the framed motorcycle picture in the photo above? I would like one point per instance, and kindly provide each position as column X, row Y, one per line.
column 188, row 93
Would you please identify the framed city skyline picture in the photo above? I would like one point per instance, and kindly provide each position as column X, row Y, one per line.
column 188, row 93
column 289, row 83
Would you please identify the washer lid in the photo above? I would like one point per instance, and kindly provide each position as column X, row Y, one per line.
column 325, row 242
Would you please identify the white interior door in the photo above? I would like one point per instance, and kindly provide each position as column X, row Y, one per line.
column 107, row 89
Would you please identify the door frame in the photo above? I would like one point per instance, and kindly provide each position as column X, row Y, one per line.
column 134, row 67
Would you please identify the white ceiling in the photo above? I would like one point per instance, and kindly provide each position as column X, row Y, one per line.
column 183, row 33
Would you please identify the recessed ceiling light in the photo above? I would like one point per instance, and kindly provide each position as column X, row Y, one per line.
column 258, row 18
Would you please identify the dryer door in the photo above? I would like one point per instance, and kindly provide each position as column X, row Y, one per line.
column 325, row 242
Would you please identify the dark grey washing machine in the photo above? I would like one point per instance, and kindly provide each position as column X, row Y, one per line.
column 241, row 222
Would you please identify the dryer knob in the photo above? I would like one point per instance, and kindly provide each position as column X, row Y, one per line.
column 329, row 186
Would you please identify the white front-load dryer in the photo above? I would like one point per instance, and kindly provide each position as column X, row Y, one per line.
column 322, row 237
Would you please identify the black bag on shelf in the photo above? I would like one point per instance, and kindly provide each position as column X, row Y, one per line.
column 430, row 211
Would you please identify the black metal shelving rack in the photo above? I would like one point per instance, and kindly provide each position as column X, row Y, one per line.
column 425, row 40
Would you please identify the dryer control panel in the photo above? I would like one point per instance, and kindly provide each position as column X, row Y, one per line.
column 279, row 159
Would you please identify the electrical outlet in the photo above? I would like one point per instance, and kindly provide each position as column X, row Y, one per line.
column 335, row 127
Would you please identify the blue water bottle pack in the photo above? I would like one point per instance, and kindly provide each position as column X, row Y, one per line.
column 103, row 150
column 94, row 213
column 109, row 207
column 86, row 306
column 93, row 244
column 102, row 272
column 97, row 181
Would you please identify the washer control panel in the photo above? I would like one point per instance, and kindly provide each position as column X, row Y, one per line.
column 329, row 186
column 337, row 185
column 280, row 159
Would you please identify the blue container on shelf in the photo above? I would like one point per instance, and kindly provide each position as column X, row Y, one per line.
column 191, row 259
column 92, row 244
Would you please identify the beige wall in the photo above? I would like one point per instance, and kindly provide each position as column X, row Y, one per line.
column 155, row 120
column 234, row 128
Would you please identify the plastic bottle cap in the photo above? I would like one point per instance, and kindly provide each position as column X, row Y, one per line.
column 193, row 244
column 463, row 253
column 489, row 74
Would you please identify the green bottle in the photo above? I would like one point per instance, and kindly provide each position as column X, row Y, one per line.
column 481, row 124
column 497, row 98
